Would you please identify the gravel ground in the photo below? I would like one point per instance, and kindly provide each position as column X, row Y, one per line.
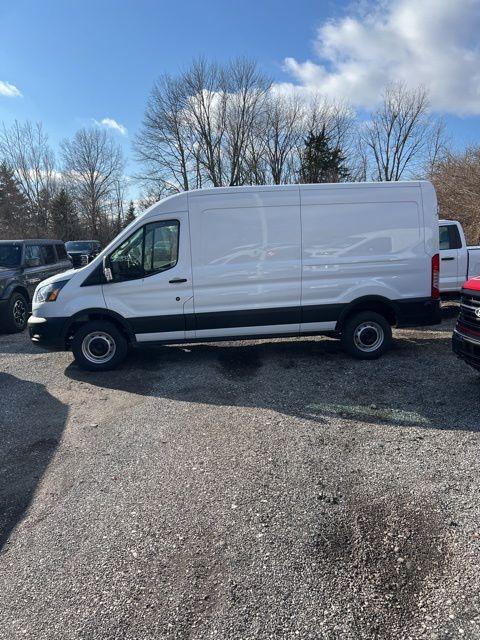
column 272, row 489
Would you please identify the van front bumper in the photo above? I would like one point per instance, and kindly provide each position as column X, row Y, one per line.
column 467, row 348
column 47, row 332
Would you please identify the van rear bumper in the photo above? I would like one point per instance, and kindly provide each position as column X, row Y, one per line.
column 48, row 332
column 419, row 312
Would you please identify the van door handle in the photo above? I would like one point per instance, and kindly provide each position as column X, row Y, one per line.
column 177, row 280
column 449, row 258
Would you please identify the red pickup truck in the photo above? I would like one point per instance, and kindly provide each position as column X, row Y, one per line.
column 466, row 335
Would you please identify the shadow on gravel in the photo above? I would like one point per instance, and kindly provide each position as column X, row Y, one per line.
column 418, row 384
column 31, row 426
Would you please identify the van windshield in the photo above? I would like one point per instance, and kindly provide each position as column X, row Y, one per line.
column 10, row 255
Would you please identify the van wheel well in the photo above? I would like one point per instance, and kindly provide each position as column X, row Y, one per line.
column 381, row 307
column 91, row 316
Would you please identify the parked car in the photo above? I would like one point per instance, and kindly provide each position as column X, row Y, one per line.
column 23, row 264
column 82, row 252
column 458, row 262
column 466, row 335
column 350, row 260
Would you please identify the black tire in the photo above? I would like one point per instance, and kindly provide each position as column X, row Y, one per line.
column 99, row 346
column 16, row 317
column 366, row 335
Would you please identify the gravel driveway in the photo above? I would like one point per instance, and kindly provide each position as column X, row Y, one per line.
column 272, row 489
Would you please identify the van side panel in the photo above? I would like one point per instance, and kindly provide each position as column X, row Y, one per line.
column 365, row 241
column 246, row 262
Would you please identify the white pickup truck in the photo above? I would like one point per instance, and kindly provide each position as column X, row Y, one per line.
column 458, row 262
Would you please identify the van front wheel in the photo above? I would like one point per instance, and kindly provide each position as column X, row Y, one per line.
column 366, row 335
column 99, row 346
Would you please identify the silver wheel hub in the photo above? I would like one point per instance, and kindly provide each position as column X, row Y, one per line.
column 98, row 347
column 19, row 313
column 368, row 336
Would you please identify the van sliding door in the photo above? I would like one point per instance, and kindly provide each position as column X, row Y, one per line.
column 246, row 262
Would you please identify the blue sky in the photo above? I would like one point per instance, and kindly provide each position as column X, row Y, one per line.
column 78, row 61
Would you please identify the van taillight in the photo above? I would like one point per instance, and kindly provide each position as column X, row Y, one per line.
column 436, row 276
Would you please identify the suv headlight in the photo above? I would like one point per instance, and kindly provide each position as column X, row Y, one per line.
column 49, row 292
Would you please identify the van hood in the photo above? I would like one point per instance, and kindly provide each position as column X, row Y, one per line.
column 65, row 275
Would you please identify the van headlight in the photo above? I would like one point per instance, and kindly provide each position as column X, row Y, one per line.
column 49, row 292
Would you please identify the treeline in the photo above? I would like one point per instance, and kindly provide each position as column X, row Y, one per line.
column 217, row 125
column 79, row 194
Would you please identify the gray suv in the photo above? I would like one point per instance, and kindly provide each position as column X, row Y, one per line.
column 23, row 264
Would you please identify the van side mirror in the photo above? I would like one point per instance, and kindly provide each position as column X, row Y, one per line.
column 107, row 270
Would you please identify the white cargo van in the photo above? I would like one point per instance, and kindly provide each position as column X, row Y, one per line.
column 349, row 260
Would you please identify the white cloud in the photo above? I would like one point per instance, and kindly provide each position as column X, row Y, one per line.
column 110, row 123
column 9, row 90
column 434, row 43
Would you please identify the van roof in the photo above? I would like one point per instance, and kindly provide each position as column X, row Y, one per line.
column 179, row 201
column 319, row 185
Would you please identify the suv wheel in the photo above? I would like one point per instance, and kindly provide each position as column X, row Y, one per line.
column 17, row 314
column 99, row 346
column 366, row 335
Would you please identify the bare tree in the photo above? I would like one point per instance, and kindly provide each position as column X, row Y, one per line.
column 197, row 128
column 93, row 165
column 117, row 203
column 166, row 145
column 207, row 112
column 282, row 136
column 25, row 150
column 400, row 133
column 245, row 103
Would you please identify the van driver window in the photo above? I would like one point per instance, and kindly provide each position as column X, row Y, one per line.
column 126, row 260
column 151, row 249
column 161, row 246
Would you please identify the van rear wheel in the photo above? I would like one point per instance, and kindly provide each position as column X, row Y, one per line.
column 366, row 335
column 99, row 346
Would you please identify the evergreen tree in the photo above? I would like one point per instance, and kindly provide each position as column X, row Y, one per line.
column 14, row 211
column 63, row 216
column 130, row 217
column 321, row 162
